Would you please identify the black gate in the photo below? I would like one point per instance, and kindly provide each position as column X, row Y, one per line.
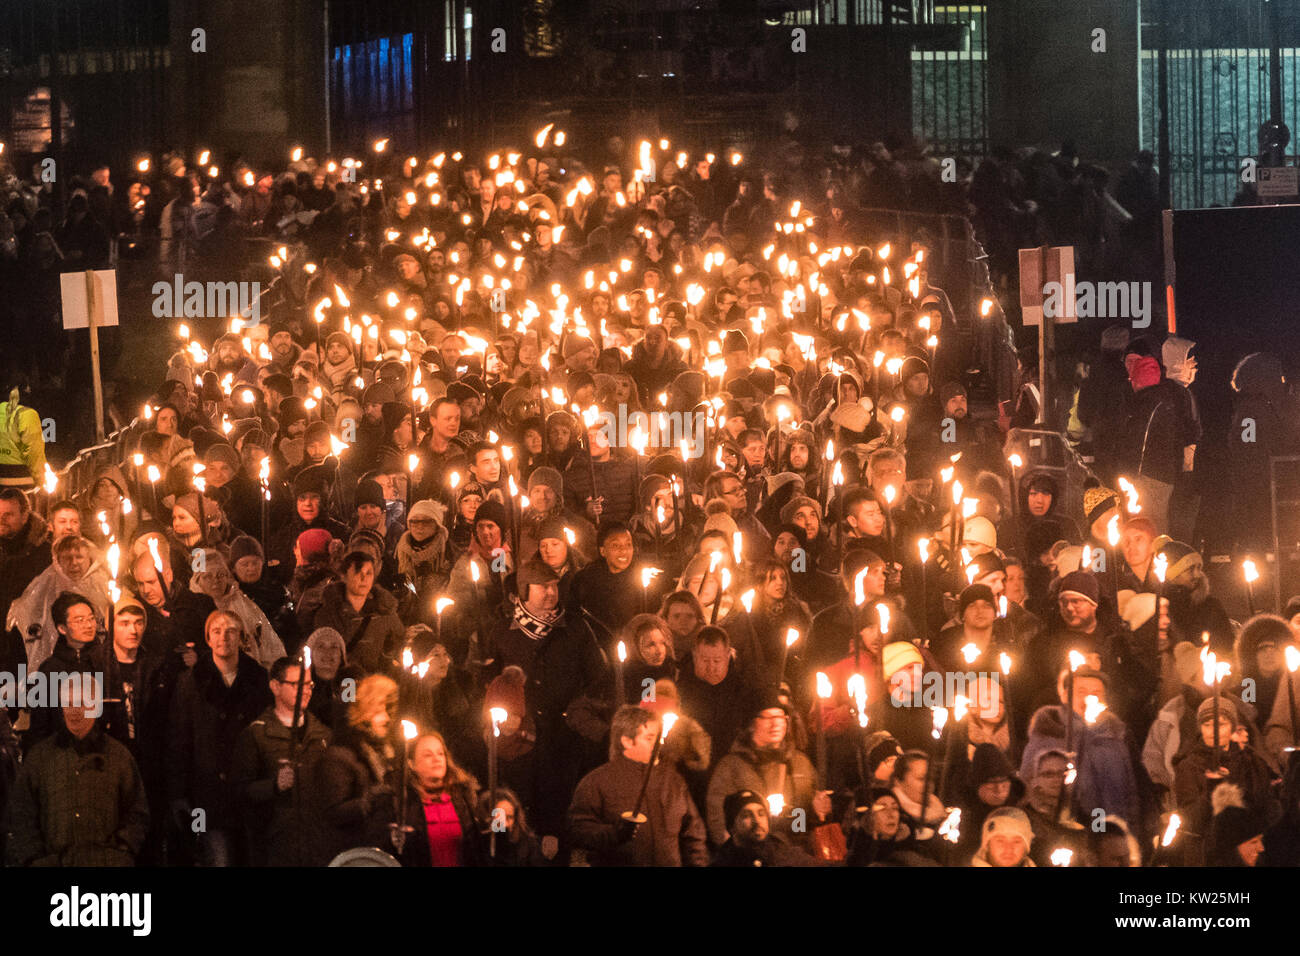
column 1218, row 89
column 103, row 62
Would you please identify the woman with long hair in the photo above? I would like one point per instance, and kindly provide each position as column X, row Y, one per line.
column 440, row 804
column 515, row 844
column 357, row 802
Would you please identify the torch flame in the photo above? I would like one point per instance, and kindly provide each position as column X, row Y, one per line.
column 1131, row 492
column 823, row 686
column 1092, row 708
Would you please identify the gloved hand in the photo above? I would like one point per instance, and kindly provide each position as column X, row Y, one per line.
column 625, row 830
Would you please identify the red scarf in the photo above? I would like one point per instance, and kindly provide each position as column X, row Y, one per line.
column 1143, row 371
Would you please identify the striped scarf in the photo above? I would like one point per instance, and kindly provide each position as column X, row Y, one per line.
column 535, row 627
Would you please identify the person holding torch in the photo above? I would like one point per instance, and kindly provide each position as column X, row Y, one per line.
column 634, row 811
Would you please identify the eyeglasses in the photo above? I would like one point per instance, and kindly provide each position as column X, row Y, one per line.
column 82, row 619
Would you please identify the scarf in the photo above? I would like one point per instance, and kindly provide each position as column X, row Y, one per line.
column 1143, row 371
column 530, row 624
column 979, row 732
column 411, row 554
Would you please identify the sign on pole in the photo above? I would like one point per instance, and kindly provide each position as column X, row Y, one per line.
column 1039, row 267
column 89, row 302
column 1277, row 182
column 1046, row 273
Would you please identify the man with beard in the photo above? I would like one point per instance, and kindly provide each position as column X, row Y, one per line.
column 228, row 358
column 751, row 841
column 285, row 352
column 561, row 663
column 764, row 759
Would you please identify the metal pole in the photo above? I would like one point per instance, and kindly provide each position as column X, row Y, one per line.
column 94, row 356
column 1042, row 342
column 329, row 146
column 1162, row 104
column 1274, row 65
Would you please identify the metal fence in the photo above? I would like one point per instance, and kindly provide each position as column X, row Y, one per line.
column 949, row 85
column 1218, row 81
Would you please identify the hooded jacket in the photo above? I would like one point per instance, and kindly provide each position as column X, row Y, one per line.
column 22, row 445
column 1106, row 776
column 30, row 613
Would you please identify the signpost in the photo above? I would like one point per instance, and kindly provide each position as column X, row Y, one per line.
column 1038, row 267
column 90, row 302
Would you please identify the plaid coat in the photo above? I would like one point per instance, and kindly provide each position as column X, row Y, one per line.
column 77, row 803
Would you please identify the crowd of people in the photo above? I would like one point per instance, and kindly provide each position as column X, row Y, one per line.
column 630, row 518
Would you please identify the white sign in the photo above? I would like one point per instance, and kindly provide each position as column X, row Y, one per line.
column 1277, row 182
column 1036, row 271
column 73, row 286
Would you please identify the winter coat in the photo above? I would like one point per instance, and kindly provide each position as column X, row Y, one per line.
column 651, row 379
column 276, row 835
column 206, row 720
column 48, row 719
column 371, row 635
column 722, row 709
column 1192, row 789
column 353, row 799
column 426, row 564
column 1170, row 735
column 22, row 445
column 614, row 480
column 22, row 558
column 77, row 803
column 786, row 771
column 473, row 849
column 673, row 834
column 773, row 851
column 1106, row 776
